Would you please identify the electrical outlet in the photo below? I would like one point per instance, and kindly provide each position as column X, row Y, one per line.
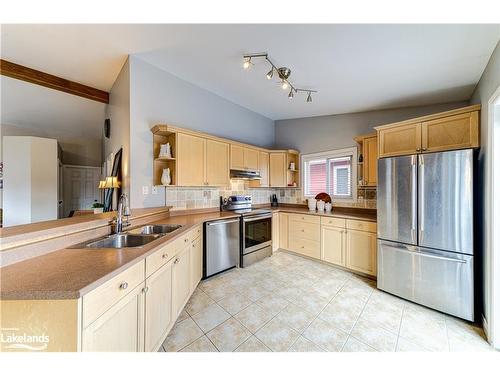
column 154, row 189
column 145, row 190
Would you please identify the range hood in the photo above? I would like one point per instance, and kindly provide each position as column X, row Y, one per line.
column 238, row 174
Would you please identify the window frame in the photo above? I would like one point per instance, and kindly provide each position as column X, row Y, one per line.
column 339, row 153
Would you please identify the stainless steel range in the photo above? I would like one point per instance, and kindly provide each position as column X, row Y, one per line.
column 255, row 228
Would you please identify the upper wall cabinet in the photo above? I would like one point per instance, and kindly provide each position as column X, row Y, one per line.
column 368, row 147
column 217, row 163
column 244, row 158
column 200, row 159
column 451, row 130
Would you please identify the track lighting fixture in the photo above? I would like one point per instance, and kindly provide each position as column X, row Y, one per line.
column 282, row 73
column 270, row 74
column 247, row 62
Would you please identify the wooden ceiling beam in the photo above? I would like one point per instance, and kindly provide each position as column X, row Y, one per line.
column 37, row 77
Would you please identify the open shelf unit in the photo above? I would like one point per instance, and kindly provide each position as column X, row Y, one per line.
column 292, row 175
column 162, row 135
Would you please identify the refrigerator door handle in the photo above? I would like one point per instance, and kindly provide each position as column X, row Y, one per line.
column 421, row 191
column 426, row 255
column 413, row 198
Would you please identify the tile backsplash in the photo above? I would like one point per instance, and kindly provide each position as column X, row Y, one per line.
column 182, row 198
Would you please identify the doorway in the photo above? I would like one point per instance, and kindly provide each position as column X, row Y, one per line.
column 494, row 138
column 80, row 187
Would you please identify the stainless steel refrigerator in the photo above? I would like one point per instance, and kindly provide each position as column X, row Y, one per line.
column 425, row 230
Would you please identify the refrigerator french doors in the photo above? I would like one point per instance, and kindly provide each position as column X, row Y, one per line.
column 425, row 230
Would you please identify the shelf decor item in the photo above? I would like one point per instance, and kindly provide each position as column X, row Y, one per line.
column 328, row 207
column 292, row 166
column 165, row 177
column 98, row 207
column 321, row 205
column 311, row 203
column 325, row 197
column 165, row 151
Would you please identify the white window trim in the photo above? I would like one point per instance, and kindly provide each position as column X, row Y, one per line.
column 349, row 151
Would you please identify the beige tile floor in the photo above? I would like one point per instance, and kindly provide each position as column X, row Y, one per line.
column 288, row 303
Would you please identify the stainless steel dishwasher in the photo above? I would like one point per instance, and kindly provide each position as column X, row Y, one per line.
column 222, row 246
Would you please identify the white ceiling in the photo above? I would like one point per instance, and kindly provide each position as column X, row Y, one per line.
column 50, row 113
column 354, row 67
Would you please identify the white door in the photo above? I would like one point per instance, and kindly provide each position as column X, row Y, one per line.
column 80, row 187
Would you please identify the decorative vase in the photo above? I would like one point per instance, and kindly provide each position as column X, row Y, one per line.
column 98, row 210
column 328, row 207
column 311, row 203
column 165, row 177
column 321, row 206
column 165, row 151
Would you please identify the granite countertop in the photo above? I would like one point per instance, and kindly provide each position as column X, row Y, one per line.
column 70, row 273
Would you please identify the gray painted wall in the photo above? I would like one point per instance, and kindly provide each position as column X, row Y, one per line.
column 489, row 82
column 160, row 97
column 118, row 111
column 324, row 133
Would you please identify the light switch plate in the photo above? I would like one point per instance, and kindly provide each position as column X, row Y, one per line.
column 145, row 190
column 154, row 189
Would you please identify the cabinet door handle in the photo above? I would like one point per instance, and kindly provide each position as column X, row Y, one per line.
column 176, row 260
column 165, row 256
column 418, row 148
column 145, row 289
column 424, row 149
column 186, row 239
column 124, row 285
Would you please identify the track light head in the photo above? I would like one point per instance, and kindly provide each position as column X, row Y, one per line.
column 284, row 85
column 270, row 74
column 290, row 94
column 309, row 98
column 247, row 62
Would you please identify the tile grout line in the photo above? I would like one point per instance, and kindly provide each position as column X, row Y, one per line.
column 400, row 324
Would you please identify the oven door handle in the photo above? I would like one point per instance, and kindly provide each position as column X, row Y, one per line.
column 257, row 217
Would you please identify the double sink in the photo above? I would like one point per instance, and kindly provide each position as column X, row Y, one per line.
column 134, row 238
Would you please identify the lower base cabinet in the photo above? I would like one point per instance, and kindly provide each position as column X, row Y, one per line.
column 343, row 242
column 196, row 258
column 119, row 329
column 181, row 280
column 362, row 251
column 333, row 245
column 141, row 319
column 159, row 318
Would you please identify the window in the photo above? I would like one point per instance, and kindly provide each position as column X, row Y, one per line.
column 330, row 172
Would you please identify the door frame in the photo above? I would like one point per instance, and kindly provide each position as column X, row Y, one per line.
column 492, row 207
column 65, row 167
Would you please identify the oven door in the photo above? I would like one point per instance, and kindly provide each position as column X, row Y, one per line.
column 257, row 232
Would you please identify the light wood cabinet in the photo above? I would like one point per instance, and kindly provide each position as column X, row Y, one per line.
column 451, row 130
column 283, row 231
column 158, row 313
column 251, row 159
column 196, row 259
column 449, row 133
column 237, row 157
column 362, row 251
column 119, row 329
column 276, row 231
column 190, row 160
column 333, row 245
column 217, row 163
column 277, row 169
column 181, row 280
column 400, row 140
column 304, row 235
column 370, row 154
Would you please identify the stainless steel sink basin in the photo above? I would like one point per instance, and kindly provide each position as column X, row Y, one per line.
column 156, row 229
column 119, row 241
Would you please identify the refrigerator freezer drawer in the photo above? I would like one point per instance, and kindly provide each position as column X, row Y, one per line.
column 438, row 279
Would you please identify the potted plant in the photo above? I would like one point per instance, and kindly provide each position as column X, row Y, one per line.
column 98, row 207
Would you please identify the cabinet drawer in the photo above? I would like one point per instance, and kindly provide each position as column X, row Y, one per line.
column 304, row 230
column 160, row 257
column 313, row 219
column 96, row 302
column 196, row 232
column 333, row 222
column 305, row 247
column 367, row 226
